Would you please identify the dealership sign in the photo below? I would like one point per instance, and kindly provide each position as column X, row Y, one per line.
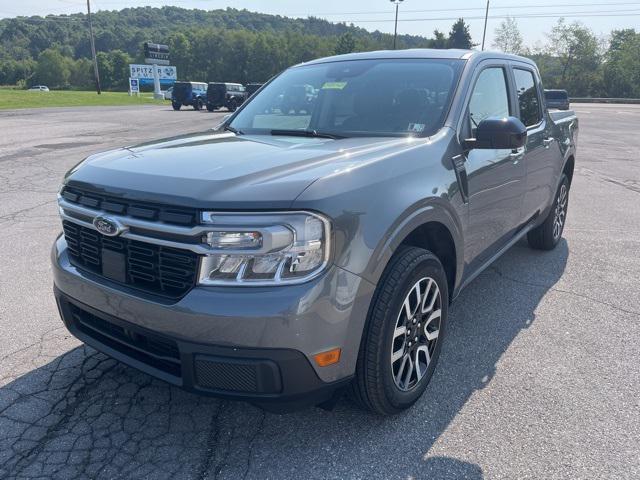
column 144, row 73
column 156, row 53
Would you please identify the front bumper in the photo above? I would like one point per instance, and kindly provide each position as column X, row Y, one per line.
column 254, row 344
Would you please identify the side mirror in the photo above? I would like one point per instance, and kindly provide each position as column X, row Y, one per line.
column 498, row 133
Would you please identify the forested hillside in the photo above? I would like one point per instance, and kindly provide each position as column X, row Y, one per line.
column 241, row 46
column 234, row 45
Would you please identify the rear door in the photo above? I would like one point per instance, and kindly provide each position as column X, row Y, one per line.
column 495, row 177
column 541, row 156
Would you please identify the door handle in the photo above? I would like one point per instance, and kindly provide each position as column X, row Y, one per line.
column 547, row 142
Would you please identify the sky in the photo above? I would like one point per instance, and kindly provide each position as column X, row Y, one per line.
column 419, row 17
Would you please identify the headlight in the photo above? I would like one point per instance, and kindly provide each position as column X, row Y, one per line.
column 260, row 249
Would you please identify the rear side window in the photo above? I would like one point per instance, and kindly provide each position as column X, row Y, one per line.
column 530, row 112
column 490, row 96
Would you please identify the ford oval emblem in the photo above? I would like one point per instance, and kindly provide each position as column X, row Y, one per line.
column 107, row 226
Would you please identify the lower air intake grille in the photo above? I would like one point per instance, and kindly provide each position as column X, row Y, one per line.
column 155, row 351
column 235, row 375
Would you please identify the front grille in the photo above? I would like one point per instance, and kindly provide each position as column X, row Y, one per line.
column 164, row 271
column 122, row 206
column 153, row 350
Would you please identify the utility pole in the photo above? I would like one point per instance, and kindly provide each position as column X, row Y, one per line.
column 93, row 50
column 486, row 16
column 395, row 29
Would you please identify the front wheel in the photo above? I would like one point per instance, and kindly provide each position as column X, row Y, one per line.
column 402, row 340
column 547, row 235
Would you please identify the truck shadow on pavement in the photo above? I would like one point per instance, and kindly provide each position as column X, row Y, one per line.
column 84, row 415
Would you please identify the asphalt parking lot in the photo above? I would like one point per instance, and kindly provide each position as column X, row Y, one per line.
column 539, row 376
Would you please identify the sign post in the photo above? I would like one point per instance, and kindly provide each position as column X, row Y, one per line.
column 157, row 93
column 134, row 86
column 156, row 54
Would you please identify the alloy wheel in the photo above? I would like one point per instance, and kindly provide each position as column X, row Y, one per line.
column 560, row 212
column 416, row 334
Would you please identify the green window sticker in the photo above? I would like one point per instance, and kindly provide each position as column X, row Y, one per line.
column 334, row 85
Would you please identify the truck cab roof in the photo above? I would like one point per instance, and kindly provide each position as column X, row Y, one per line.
column 446, row 54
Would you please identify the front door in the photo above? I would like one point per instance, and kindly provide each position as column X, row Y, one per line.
column 496, row 178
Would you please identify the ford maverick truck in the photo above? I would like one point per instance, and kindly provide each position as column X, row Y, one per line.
column 290, row 255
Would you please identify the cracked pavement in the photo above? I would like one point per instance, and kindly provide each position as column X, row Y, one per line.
column 539, row 375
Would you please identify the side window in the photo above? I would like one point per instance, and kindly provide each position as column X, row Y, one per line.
column 490, row 97
column 530, row 112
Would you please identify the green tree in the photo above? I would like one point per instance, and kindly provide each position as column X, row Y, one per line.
column 507, row 37
column 120, row 70
column 621, row 71
column 53, row 69
column 439, row 40
column 345, row 44
column 180, row 52
column 460, row 36
column 106, row 70
column 578, row 54
column 82, row 74
column 114, row 70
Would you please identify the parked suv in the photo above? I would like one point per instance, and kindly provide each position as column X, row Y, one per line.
column 229, row 95
column 253, row 88
column 557, row 99
column 189, row 94
column 290, row 255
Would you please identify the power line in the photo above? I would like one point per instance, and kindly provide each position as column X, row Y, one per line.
column 463, row 9
column 603, row 13
column 80, row 17
column 386, row 12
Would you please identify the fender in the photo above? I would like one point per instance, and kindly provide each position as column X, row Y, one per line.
column 568, row 151
column 428, row 210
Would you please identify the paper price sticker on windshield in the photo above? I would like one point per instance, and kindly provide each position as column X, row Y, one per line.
column 334, row 85
column 416, row 127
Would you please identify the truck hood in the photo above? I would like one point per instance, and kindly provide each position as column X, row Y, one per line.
column 216, row 170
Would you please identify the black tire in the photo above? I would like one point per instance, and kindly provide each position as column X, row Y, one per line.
column 176, row 106
column 198, row 104
column 547, row 235
column 376, row 386
column 210, row 107
column 232, row 106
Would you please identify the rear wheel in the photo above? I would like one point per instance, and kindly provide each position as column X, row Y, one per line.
column 405, row 328
column 547, row 235
column 176, row 106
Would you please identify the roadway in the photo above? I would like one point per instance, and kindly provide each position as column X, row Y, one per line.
column 539, row 376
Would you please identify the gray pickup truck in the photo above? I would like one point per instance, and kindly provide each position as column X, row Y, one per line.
column 293, row 253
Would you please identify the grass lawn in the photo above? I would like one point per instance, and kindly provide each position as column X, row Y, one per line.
column 10, row 99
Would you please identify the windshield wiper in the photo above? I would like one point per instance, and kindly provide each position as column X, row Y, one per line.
column 306, row 133
column 231, row 129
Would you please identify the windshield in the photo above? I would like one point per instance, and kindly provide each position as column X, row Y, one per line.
column 360, row 97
